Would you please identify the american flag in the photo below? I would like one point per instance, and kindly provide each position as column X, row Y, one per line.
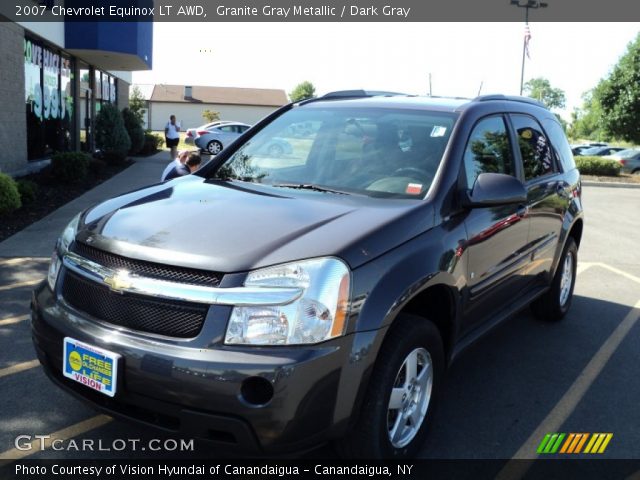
column 527, row 39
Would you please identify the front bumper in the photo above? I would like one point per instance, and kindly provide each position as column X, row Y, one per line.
column 195, row 386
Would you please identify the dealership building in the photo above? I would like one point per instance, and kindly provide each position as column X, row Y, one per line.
column 55, row 77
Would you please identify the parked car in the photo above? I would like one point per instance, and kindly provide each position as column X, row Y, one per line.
column 629, row 159
column 577, row 149
column 271, row 304
column 215, row 139
column 192, row 133
column 600, row 151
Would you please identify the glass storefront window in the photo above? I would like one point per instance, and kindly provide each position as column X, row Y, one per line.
column 48, row 99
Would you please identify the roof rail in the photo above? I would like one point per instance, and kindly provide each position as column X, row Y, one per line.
column 360, row 93
column 511, row 98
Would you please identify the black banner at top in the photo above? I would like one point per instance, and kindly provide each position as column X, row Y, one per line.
column 318, row 10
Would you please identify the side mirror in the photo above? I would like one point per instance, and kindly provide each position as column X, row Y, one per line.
column 493, row 189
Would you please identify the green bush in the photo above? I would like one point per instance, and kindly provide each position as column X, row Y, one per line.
column 152, row 143
column 9, row 195
column 28, row 190
column 97, row 166
column 134, row 129
column 70, row 167
column 111, row 135
column 598, row 166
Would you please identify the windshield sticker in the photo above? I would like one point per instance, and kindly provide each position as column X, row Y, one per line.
column 414, row 188
column 438, row 131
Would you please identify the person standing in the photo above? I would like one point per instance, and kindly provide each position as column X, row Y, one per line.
column 172, row 136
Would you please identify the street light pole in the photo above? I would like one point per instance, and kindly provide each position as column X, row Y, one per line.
column 526, row 4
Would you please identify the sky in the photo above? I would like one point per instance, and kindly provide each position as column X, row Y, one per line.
column 462, row 58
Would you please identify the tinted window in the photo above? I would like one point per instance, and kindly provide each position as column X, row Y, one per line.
column 227, row 128
column 381, row 152
column 537, row 155
column 488, row 150
column 559, row 143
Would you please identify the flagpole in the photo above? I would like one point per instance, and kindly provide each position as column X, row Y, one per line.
column 526, row 4
column 524, row 47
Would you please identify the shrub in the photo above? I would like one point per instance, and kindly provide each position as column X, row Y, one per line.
column 111, row 135
column 152, row 143
column 598, row 166
column 28, row 190
column 134, row 129
column 9, row 195
column 97, row 166
column 70, row 167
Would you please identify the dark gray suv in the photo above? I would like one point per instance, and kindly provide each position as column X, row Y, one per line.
column 272, row 303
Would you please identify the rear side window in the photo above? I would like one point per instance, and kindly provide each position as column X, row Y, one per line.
column 559, row 143
column 488, row 150
column 537, row 155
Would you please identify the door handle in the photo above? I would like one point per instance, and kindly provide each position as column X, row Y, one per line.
column 522, row 211
column 561, row 189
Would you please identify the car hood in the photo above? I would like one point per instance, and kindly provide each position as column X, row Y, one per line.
column 234, row 226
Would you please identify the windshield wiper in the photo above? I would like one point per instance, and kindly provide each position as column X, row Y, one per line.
column 308, row 186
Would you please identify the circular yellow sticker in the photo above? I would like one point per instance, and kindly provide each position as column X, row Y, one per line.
column 526, row 134
column 75, row 360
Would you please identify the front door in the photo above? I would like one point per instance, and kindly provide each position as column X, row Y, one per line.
column 496, row 236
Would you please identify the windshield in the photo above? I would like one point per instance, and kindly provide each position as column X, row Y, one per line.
column 343, row 149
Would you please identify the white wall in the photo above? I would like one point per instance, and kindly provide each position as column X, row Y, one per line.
column 191, row 115
column 50, row 31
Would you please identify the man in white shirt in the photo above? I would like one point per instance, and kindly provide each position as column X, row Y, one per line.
column 172, row 136
column 180, row 160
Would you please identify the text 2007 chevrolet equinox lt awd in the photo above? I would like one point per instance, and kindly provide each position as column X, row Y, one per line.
column 274, row 302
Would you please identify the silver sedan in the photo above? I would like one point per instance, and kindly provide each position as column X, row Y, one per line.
column 215, row 139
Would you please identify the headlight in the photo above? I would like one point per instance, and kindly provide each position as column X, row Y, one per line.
column 318, row 315
column 62, row 247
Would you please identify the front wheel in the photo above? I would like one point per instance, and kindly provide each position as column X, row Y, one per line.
column 555, row 303
column 214, row 147
column 401, row 395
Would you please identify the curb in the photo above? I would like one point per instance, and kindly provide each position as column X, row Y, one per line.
column 589, row 183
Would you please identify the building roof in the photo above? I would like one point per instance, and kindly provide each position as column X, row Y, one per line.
column 219, row 95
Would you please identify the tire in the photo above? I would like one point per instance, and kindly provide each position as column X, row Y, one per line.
column 276, row 150
column 214, row 147
column 556, row 302
column 410, row 338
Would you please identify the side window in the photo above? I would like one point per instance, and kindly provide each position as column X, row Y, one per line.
column 559, row 143
column 227, row 128
column 488, row 150
column 537, row 155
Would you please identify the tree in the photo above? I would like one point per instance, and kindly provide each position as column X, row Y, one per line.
column 210, row 116
column 303, row 91
column 137, row 104
column 134, row 129
column 540, row 89
column 619, row 96
column 111, row 135
column 587, row 122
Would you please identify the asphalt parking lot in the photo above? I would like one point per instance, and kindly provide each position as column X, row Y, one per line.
column 525, row 379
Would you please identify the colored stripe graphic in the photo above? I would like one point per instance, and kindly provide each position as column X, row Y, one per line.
column 573, row 443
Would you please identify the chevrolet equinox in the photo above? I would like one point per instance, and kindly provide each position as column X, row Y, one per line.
column 273, row 302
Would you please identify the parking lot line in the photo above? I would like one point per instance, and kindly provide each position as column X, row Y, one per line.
column 19, row 367
column 28, row 283
column 12, row 320
column 64, row 434
column 566, row 405
column 582, row 266
column 633, row 278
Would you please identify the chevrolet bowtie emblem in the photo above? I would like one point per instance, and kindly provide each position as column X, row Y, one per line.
column 118, row 282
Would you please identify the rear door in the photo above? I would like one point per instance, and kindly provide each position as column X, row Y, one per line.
column 547, row 192
column 496, row 236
